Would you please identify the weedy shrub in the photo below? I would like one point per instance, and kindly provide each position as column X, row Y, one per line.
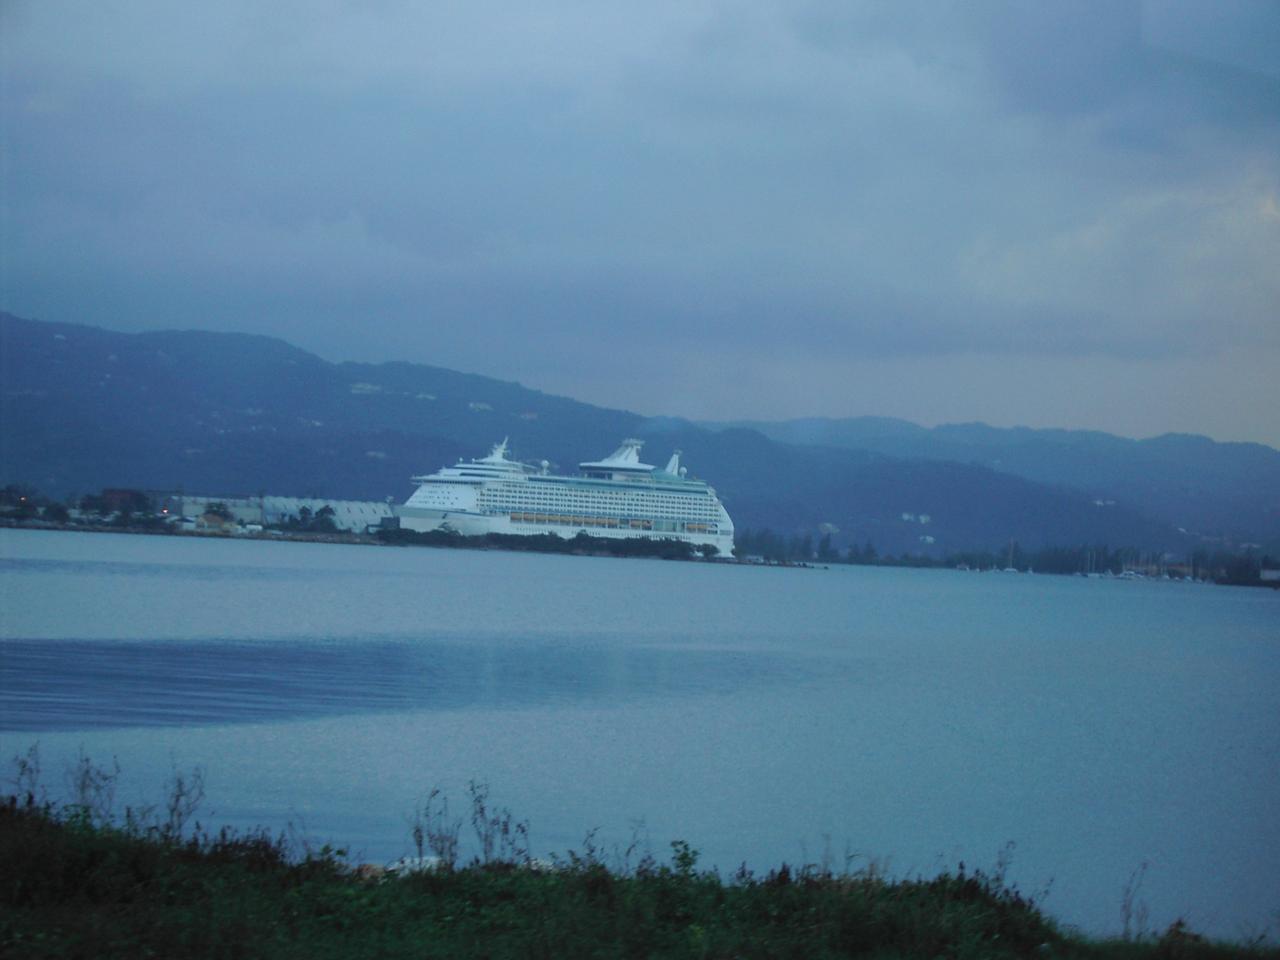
column 1133, row 912
column 93, row 789
column 501, row 838
column 434, row 830
column 183, row 795
column 26, row 778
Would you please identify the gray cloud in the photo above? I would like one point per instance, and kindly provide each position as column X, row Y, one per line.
column 536, row 192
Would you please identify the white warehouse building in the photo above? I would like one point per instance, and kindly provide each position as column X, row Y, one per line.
column 355, row 516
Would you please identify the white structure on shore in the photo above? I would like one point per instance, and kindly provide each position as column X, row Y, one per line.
column 355, row 516
column 617, row 497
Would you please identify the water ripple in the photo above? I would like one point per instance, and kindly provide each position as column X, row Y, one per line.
column 85, row 684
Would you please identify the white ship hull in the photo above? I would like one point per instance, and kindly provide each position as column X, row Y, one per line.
column 618, row 497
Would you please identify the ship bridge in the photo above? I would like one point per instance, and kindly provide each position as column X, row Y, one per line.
column 496, row 466
column 623, row 464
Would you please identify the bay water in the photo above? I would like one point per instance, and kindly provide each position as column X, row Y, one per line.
column 1109, row 740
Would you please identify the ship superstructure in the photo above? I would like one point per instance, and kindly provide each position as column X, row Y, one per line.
column 615, row 497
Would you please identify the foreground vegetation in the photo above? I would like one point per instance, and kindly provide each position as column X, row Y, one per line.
column 78, row 883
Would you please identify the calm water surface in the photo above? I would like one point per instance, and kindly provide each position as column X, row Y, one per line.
column 916, row 718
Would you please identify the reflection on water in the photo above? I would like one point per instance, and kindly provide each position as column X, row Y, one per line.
column 82, row 684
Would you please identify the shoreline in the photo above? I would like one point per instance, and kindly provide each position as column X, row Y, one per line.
column 593, row 547
column 459, row 542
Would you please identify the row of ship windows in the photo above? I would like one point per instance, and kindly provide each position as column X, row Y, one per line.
column 504, row 505
column 614, row 523
column 524, row 492
column 673, row 517
column 508, row 503
column 647, row 503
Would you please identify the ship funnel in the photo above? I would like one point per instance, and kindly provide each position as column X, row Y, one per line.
column 673, row 465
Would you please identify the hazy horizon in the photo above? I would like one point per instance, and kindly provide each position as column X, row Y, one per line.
column 1061, row 215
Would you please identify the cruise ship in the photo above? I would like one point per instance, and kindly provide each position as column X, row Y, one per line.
column 615, row 497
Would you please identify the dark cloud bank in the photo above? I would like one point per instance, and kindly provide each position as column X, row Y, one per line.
column 1058, row 213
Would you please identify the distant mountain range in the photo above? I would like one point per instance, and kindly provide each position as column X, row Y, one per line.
column 83, row 408
column 1188, row 481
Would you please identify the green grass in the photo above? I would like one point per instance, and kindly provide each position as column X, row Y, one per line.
column 72, row 885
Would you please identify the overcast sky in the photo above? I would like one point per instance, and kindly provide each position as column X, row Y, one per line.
column 1054, row 214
